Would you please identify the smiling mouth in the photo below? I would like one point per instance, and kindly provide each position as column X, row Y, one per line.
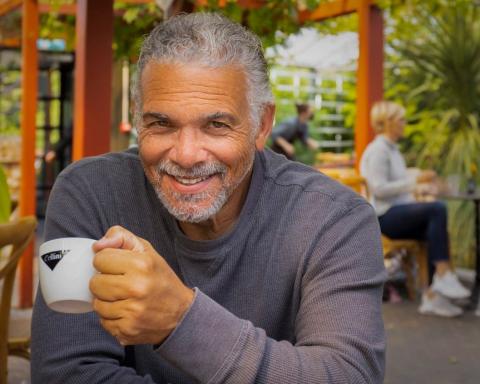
column 190, row 180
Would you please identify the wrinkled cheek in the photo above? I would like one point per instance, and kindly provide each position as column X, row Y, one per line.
column 154, row 177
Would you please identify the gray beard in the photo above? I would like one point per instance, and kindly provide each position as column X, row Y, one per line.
column 192, row 213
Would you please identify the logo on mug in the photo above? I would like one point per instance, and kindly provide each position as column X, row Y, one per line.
column 52, row 258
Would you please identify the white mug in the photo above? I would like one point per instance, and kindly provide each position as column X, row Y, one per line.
column 65, row 270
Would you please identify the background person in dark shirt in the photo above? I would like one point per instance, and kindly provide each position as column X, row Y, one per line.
column 295, row 128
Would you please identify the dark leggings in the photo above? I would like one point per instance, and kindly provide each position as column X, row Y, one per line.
column 419, row 221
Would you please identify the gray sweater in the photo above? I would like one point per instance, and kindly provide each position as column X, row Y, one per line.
column 292, row 294
column 389, row 181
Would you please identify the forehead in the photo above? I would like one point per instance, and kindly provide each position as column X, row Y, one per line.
column 192, row 85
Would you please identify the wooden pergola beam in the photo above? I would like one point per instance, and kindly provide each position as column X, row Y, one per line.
column 62, row 9
column 329, row 10
column 28, row 130
column 7, row 6
column 11, row 42
column 249, row 4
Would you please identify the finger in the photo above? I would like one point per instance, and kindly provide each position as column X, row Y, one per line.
column 113, row 327
column 119, row 237
column 121, row 262
column 109, row 310
column 113, row 261
column 108, row 287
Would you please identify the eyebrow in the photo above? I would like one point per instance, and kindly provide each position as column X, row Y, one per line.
column 222, row 116
column 155, row 115
column 210, row 117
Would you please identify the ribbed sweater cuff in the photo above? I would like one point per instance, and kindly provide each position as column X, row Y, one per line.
column 204, row 339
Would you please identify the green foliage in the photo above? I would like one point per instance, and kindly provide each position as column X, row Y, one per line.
column 55, row 25
column 132, row 24
column 272, row 22
column 435, row 71
column 346, row 23
column 5, row 202
column 10, row 93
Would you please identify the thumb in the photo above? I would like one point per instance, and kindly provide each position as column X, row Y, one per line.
column 119, row 238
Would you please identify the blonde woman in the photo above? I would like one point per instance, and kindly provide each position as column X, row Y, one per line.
column 400, row 216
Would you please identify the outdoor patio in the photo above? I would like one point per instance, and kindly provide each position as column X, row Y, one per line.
column 369, row 53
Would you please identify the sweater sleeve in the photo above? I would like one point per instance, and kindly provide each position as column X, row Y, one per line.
column 376, row 173
column 74, row 348
column 339, row 327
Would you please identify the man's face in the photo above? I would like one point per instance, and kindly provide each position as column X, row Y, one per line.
column 196, row 142
column 307, row 115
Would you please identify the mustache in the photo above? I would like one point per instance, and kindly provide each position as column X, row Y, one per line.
column 198, row 170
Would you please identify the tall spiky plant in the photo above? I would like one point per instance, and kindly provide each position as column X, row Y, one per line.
column 441, row 69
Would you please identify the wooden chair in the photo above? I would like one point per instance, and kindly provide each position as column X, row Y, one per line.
column 357, row 183
column 18, row 235
column 416, row 257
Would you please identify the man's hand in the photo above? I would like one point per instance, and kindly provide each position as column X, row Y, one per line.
column 138, row 297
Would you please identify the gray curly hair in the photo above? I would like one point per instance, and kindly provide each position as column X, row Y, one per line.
column 211, row 40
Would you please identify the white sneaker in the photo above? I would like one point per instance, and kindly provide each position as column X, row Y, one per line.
column 438, row 305
column 449, row 286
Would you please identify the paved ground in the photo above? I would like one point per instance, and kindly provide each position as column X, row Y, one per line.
column 426, row 349
column 18, row 368
column 421, row 349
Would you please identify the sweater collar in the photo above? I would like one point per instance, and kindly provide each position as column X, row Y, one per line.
column 384, row 139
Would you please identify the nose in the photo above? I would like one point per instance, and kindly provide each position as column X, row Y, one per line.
column 188, row 148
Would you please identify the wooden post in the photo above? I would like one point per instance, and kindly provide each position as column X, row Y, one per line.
column 93, row 78
column 370, row 72
column 28, row 127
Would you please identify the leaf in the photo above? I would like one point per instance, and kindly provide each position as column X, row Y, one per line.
column 130, row 15
column 5, row 202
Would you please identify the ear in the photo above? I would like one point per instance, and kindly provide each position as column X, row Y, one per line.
column 265, row 126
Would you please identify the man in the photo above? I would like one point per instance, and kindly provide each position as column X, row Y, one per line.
column 288, row 131
column 219, row 262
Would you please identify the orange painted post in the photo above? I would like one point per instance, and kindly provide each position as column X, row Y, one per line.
column 370, row 72
column 93, row 78
column 27, row 122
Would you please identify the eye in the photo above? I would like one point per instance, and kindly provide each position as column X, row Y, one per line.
column 218, row 124
column 158, row 124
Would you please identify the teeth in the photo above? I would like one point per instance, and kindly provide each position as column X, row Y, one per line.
column 191, row 181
